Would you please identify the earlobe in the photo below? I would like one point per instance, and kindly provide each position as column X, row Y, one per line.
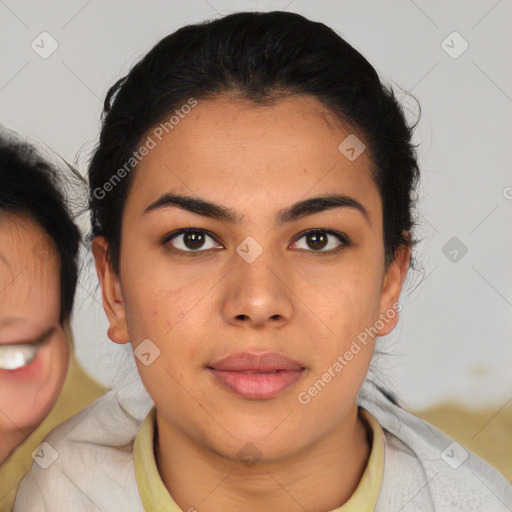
column 111, row 293
column 393, row 281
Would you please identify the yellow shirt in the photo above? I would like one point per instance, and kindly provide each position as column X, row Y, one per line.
column 155, row 496
column 78, row 391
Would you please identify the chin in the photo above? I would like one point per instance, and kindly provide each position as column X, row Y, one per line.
column 251, row 449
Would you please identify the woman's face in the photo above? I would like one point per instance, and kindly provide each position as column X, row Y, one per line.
column 255, row 286
column 29, row 313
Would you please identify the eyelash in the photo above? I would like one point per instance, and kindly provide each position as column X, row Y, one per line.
column 345, row 242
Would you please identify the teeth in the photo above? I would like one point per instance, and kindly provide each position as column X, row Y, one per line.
column 18, row 355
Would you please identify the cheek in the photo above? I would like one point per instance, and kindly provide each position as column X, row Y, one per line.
column 48, row 388
column 153, row 310
column 167, row 317
column 27, row 395
column 346, row 305
column 163, row 298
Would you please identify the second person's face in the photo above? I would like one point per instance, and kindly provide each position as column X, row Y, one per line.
column 29, row 314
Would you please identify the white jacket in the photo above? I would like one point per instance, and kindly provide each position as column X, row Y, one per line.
column 424, row 470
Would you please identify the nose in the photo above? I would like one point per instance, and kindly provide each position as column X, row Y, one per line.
column 258, row 294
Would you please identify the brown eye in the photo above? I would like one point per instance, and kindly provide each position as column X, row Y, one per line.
column 318, row 240
column 193, row 240
column 190, row 240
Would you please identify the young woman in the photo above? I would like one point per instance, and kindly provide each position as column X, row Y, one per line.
column 252, row 209
column 41, row 383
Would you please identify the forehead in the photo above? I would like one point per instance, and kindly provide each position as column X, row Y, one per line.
column 243, row 154
column 29, row 268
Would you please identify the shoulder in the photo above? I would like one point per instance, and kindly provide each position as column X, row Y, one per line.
column 86, row 463
column 447, row 478
column 424, row 469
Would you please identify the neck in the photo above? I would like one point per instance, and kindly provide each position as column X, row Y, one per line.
column 321, row 477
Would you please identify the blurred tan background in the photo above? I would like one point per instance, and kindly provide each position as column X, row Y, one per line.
column 487, row 433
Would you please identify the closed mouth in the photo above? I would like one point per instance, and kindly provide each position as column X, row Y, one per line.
column 250, row 362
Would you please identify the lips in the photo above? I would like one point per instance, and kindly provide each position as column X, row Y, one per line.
column 256, row 363
column 257, row 376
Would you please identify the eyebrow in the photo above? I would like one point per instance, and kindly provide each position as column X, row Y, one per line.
column 287, row 215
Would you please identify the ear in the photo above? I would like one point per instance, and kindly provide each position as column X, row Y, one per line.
column 391, row 288
column 111, row 293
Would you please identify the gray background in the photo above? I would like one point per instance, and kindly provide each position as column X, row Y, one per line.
column 453, row 340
